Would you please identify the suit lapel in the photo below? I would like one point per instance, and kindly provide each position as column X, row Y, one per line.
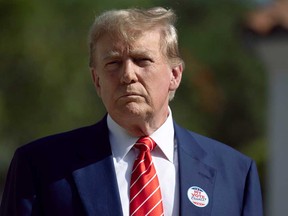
column 95, row 177
column 193, row 172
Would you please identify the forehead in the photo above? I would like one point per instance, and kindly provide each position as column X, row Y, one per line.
column 147, row 43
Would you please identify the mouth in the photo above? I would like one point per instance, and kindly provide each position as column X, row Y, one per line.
column 128, row 94
column 131, row 95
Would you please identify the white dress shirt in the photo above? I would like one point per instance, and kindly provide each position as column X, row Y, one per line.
column 164, row 157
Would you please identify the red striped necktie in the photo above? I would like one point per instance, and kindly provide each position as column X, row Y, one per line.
column 145, row 194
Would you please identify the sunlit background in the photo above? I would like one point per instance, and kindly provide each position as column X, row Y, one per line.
column 226, row 91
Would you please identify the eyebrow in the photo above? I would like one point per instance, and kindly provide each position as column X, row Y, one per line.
column 111, row 54
column 141, row 52
column 136, row 53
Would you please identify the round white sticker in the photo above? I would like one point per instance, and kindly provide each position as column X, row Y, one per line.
column 198, row 196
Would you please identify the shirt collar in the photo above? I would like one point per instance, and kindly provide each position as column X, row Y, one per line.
column 164, row 137
column 122, row 142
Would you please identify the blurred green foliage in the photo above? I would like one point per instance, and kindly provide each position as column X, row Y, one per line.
column 45, row 84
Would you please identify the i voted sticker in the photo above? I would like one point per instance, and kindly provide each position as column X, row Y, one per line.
column 198, row 196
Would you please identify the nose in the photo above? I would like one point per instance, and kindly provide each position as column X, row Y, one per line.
column 128, row 72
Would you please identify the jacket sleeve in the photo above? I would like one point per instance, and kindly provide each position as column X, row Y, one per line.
column 252, row 200
column 19, row 195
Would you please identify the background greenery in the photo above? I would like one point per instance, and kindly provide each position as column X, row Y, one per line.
column 46, row 88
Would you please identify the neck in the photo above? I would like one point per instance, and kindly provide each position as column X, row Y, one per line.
column 139, row 126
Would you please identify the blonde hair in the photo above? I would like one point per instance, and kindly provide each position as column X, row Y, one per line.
column 128, row 24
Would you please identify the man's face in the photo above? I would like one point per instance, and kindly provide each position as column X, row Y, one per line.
column 134, row 80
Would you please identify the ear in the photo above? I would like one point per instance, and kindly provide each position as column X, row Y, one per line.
column 96, row 81
column 176, row 76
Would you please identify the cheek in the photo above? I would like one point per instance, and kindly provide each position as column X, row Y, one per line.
column 161, row 87
column 108, row 86
column 163, row 81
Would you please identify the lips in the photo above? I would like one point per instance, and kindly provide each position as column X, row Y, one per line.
column 131, row 95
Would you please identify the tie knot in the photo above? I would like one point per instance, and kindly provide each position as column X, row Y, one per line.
column 145, row 144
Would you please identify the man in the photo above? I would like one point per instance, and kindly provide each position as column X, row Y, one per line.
column 136, row 70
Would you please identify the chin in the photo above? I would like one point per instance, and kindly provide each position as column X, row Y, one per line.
column 133, row 109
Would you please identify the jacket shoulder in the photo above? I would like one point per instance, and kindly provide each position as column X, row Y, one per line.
column 213, row 146
column 213, row 152
column 62, row 140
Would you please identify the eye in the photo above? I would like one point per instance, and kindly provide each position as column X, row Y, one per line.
column 142, row 62
column 113, row 64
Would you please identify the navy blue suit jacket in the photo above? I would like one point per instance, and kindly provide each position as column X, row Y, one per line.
column 73, row 174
